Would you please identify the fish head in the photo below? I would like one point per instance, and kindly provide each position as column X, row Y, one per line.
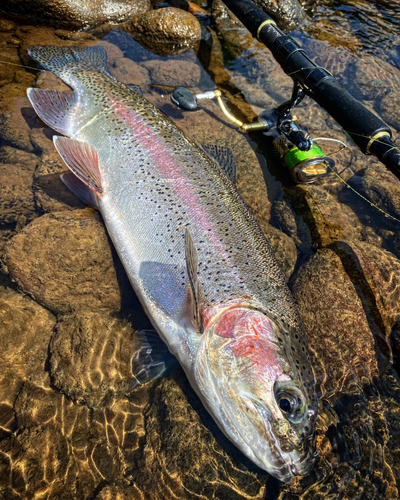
column 252, row 380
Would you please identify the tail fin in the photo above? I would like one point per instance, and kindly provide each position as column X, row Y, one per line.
column 62, row 61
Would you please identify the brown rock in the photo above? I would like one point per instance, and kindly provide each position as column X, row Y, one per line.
column 24, row 337
column 37, row 461
column 327, row 218
column 127, row 71
column 15, row 125
column 9, row 154
column 64, row 261
column 376, row 273
column 173, row 73
column 16, row 196
column 81, row 13
column 340, row 338
column 168, row 25
column 90, row 357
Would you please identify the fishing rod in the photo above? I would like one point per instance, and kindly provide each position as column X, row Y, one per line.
column 366, row 130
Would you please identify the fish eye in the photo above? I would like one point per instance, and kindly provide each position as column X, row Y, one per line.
column 290, row 405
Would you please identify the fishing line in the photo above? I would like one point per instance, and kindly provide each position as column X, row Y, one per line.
column 22, row 66
column 347, row 184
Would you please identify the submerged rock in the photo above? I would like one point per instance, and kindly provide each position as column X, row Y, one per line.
column 64, row 261
column 90, row 357
column 360, row 395
column 24, row 337
column 16, row 196
column 80, row 13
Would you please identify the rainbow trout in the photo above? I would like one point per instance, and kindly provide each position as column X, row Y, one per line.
column 196, row 258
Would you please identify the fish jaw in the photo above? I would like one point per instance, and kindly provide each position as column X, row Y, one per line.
column 242, row 374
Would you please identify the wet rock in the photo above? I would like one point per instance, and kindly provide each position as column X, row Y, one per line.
column 288, row 14
column 16, row 196
column 376, row 273
column 35, row 462
column 167, row 25
column 64, row 261
column 81, row 13
column 90, row 357
column 102, row 440
column 24, row 337
column 338, row 330
column 327, row 219
column 180, row 454
column 16, row 124
column 284, row 218
column 173, row 73
column 120, row 491
column 6, row 26
column 127, row 71
column 389, row 104
column 380, row 186
column 353, row 428
column 12, row 155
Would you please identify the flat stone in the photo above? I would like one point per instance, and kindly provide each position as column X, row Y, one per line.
column 64, row 261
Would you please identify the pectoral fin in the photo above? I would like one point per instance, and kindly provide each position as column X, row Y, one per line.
column 151, row 358
column 192, row 264
column 83, row 161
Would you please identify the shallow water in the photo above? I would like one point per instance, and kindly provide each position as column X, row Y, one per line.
column 70, row 427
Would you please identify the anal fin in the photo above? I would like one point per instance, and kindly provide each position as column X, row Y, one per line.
column 56, row 108
column 83, row 161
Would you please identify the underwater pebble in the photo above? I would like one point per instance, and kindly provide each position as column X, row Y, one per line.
column 90, row 357
column 64, row 261
column 284, row 249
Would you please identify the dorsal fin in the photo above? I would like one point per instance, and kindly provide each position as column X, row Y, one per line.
column 56, row 108
column 83, row 161
column 192, row 263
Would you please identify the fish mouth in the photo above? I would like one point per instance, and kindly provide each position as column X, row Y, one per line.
column 285, row 460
